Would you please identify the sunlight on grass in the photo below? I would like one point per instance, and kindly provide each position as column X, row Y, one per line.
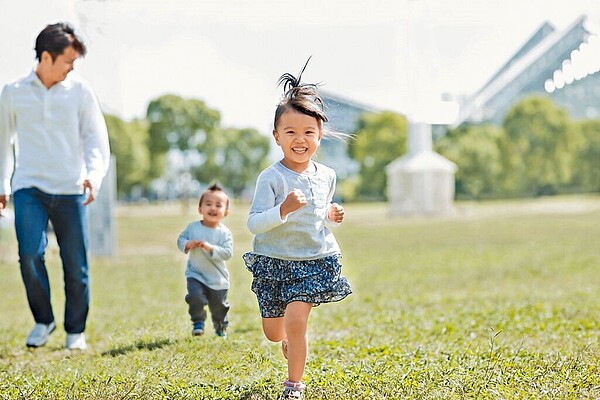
column 482, row 304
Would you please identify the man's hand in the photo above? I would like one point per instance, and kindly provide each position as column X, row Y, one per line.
column 87, row 188
column 3, row 203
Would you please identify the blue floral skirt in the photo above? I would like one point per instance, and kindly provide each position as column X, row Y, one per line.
column 278, row 282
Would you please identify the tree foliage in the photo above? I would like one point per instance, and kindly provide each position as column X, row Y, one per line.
column 379, row 139
column 475, row 148
column 237, row 158
column 538, row 150
column 538, row 142
column 178, row 123
column 587, row 158
column 128, row 142
column 190, row 128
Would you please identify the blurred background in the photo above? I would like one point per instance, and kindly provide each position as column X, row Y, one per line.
column 498, row 98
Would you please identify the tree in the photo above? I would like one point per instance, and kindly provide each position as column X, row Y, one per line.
column 587, row 160
column 379, row 139
column 537, row 133
column 237, row 158
column 178, row 123
column 474, row 149
column 128, row 145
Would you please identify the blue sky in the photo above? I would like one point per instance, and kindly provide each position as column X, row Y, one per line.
column 390, row 54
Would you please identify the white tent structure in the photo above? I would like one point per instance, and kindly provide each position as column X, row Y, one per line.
column 421, row 182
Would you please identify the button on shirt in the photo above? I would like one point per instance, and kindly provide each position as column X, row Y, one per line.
column 59, row 136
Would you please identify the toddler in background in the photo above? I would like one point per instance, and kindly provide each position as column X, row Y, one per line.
column 208, row 244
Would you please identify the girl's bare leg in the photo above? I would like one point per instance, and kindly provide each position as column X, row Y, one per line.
column 274, row 328
column 291, row 327
column 295, row 323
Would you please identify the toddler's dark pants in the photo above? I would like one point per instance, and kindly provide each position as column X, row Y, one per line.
column 199, row 295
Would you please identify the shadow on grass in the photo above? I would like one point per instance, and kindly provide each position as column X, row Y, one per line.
column 140, row 345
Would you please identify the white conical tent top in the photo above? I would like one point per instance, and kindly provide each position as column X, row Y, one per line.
column 421, row 181
column 420, row 155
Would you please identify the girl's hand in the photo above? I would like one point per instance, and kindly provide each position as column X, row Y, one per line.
column 336, row 213
column 294, row 201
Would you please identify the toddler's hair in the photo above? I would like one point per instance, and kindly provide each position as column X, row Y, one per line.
column 304, row 98
column 213, row 188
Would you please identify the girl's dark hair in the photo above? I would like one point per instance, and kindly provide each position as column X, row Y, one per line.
column 55, row 38
column 303, row 98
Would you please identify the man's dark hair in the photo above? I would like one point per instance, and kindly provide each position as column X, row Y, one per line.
column 55, row 38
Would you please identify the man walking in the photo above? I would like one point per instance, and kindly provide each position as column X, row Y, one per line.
column 54, row 153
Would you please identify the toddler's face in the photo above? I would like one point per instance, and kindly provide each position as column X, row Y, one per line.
column 213, row 208
column 299, row 136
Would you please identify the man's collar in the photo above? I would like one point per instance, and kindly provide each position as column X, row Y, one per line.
column 33, row 77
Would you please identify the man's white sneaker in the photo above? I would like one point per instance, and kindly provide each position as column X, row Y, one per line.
column 76, row 341
column 39, row 334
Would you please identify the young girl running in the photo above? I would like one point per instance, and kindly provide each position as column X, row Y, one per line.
column 295, row 258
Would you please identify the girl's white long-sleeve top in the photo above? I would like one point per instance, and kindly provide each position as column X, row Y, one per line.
column 303, row 234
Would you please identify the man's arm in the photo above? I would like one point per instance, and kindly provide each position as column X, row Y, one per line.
column 96, row 146
column 7, row 132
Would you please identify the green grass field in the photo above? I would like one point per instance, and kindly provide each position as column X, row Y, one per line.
column 501, row 301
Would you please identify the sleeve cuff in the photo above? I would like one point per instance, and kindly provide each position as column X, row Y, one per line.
column 5, row 188
column 95, row 179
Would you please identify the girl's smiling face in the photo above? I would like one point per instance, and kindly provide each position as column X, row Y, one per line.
column 299, row 136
